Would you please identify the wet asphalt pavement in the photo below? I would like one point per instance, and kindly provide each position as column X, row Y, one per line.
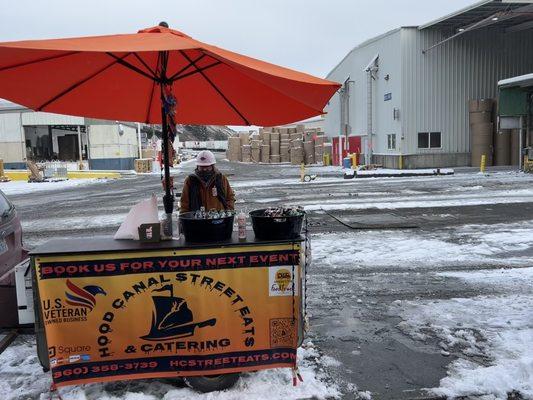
column 348, row 306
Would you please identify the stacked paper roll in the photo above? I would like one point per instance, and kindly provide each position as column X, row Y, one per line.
column 274, row 147
column 256, row 155
column 309, row 152
column 481, row 131
column 246, row 153
column 265, row 137
column 234, row 149
column 284, row 153
column 297, row 155
column 297, row 143
column 502, row 147
column 274, row 136
column 319, row 152
column 245, row 138
column 296, row 136
column 265, row 153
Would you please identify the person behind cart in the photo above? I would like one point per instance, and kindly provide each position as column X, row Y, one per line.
column 207, row 187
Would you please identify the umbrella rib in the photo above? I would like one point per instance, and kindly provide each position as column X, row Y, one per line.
column 173, row 77
column 39, row 60
column 138, row 57
column 151, row 93
column 218, row 57
column 216, row 88
column 120, row 61
column 77, row 84
column 197, row 71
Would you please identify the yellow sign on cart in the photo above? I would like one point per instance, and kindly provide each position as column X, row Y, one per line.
column 170, row 313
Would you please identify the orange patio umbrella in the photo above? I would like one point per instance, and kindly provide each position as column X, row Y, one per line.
column 159, row 76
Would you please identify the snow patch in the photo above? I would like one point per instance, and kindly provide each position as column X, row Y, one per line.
column 21, row 377
column 463, row 245
column 22, row 187
column 491, row 334
column 427, row 201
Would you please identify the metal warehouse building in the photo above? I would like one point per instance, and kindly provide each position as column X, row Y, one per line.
column 41, row 136
column 407, row 92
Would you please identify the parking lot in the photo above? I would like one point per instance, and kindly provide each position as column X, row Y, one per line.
column 419, row 287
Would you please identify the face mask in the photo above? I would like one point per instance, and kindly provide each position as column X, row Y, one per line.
column 205, row 175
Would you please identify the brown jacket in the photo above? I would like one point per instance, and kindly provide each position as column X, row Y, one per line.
column 206, row 194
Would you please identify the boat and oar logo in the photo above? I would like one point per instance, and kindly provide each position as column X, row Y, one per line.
column 172, row 318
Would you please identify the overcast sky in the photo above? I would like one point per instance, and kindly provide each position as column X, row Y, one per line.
column 307, row 35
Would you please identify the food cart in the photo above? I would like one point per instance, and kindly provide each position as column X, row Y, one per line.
column 117, row 309
column 109, row 310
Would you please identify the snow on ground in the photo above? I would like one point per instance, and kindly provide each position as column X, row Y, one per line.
column 463, row 245
column 22, row 187
column 59, row 224
column 492, row 336
column 21, row 377
column 445, row 200
column 400, row 172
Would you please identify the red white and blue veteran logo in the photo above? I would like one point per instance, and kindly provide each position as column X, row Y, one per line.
column 83, row 297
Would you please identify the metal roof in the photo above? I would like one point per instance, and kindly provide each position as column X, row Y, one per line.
column 505, row 13
column 521, row 81
column 7, row 106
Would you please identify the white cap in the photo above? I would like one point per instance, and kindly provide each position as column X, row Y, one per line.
column 205, row 158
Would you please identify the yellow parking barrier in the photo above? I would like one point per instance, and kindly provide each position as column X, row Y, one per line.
column 24, row 175
column 353, row 157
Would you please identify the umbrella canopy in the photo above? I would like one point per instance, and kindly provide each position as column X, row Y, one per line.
column 118, row 77
column 158, row 76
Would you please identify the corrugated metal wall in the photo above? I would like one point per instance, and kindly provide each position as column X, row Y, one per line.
column 431, row 90
column 388, row 47
column 106, row 142
column 437, row 85
column 11, row 138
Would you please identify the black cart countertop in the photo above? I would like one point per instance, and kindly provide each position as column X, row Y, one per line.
column 103, row 244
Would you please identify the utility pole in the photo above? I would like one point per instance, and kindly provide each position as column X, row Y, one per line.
column 139, row 140
column 80, row 166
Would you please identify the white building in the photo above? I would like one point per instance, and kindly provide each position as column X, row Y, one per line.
column 41, row 136
column 406, row 92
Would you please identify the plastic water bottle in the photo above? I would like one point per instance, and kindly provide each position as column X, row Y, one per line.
column 241, row 225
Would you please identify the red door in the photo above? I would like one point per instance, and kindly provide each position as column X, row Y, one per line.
column 354, row 146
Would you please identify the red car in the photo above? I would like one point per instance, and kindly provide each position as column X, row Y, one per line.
column 11, row 253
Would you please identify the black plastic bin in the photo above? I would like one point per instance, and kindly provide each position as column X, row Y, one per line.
column 271, row 228
column 205, row 230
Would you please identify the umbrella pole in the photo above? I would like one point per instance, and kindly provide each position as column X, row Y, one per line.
column 168, row 198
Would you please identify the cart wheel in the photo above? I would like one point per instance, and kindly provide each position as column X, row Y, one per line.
column 307, row 178
column 210, row 383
